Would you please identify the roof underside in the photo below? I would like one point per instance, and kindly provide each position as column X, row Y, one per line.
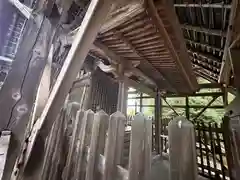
column 148, row 32
column 162, row 43
column 204, row 27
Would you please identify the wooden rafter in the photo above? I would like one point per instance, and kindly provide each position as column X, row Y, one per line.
column 145, row 61
column 219, row 6
column 116, row 59
column 206, row 46
column 226, row 66
column 205, row 65
column 205, row 56
column 152, row 11
column 204, row 30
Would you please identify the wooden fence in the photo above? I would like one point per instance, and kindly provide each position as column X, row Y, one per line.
column 86, row 145
column 211, row 149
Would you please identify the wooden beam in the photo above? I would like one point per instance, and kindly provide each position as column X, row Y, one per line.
column 121, row 15
column 195, row 106
column 145, row 61
column 206, row 69
column 205, row 56
column 115, row 59
column 96, row 13
column 234, row 55
column 203, row 45
column 194, row 95
column 205, row 76
column 204, row 109
column 226, row 65
column 26, row 11
column 153, row 13
column 204, row 30
column 157, row 122
column 210, row 85
column 140, row 87
column 216, row 6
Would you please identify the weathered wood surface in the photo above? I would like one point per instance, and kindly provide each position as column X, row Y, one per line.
column 79, row 49
column 18, row 92
column 84, row 141
column 4, row 144
column 94, row 147
column 97, row 144
column 114, row 145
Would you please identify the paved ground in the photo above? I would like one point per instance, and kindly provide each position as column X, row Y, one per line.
column 160, row 170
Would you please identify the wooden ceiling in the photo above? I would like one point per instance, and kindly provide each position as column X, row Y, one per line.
column 148, row 32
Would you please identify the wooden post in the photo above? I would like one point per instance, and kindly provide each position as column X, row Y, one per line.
column 157, row 123
column 182, row 150
column 140, row 158
column 187, row 108
column 114, row 145
column 97, row 144
column 84, row 140
column 141, row 104
column 76, row 128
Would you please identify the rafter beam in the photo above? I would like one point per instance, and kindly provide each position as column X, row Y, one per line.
column 205, row 68
column 145, row 61
column 206, row 46
column 204, row 30
column 202, row 62
column 217, row 6
column 153, row 13
column 206, row 76
column 26, row 11
column 205, row 56
column 117, row 59
column 226, row 65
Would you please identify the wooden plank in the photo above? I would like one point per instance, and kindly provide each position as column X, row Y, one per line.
column 84, row 140
column 114, row 145
column 52, row 140
column 200, row 144
column 207, row 151
column 4, row 144
column 56, row 157
column 220, row 153
column 97, row 11
column 158, row 125
column 100, row 125
column 226, row 63
column 147, row 149
column 76, row 128
column 136, row 151
column 18, row 92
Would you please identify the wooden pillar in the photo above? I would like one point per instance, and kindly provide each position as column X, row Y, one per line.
column 141, row 105
column 157, row 122
column 187, row 109
column 122, row 97
column 122, row 90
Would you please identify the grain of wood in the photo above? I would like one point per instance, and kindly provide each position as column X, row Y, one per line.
column 115, row 140
column 137, row 148
column 84, row 135
column 97, row 143
column 75, row 134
